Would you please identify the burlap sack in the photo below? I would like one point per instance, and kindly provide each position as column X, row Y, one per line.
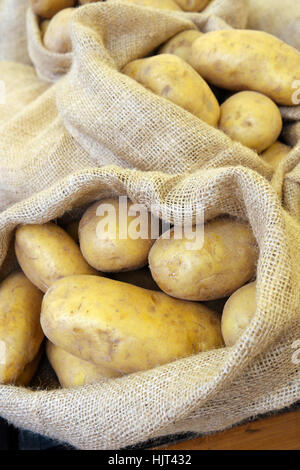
column 97, row 116
column 203, row 393
column 13, row 41
column 219, row 14
column 52, row 158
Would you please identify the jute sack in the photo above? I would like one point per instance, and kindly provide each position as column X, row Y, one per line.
column 203, row 393
column 96, row 116
column 219, row 14
column 13, row 40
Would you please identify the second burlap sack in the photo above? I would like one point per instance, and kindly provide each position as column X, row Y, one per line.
column 96, row 116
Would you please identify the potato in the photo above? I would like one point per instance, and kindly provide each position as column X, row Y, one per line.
column 181, row 44
column 20, row 331
column 243, row 118
column 72, row 371
column 106, row 247
column 238, row 313
column 139, row 278
column 192, row 5
column 57, row 37
column 29, row 371
column 160, row 4
column 248, row 60
column 48, row 8
column 46, row 253
column 188, row 270
column 172, row 78
column 124, row 327
column 274, row 154
column 276, row 17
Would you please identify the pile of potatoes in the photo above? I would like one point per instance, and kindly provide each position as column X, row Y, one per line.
column 109, row 303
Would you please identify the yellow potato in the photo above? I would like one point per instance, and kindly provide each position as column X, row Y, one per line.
column 172, row 78
column 47, row 253
column 274, row 154
column 103, row 243
column 140, row 278
column 190, row 270
column 192, row 5
column 243, row 118
column 248, row 60
column 29, row 371
column 238, row 313
column 181, row 44
column 20, row 331
column 124, row 327
column 160, row 4
column 57, row 37
column 48, row 8
column 72, row 371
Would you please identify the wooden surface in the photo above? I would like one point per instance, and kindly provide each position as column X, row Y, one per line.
column 280, row 432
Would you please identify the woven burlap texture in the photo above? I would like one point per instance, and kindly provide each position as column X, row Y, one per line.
column 52, row 156
column 51, row 66
column 96, row 116
column 13, row 40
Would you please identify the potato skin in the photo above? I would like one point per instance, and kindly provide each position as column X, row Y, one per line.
column 225, row 262
column 57, row 37
column 160, row 4
column 20, row 331
column 248, row 60
column 243, row 118
column 46, row 253
column 110, row 253
column 275, row 153
column 48, row 8
column 238, row 312
column 192, row 5
column 72, row 371
column 124, row 327
column 181, row 44
column 172, row 78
